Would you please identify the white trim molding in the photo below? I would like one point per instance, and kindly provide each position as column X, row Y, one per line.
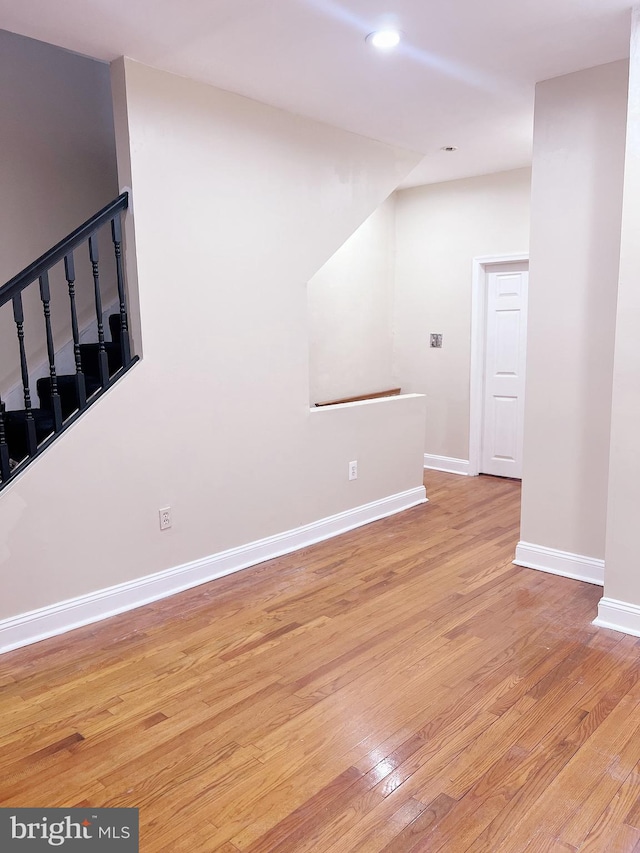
column 619, row 616
column 64, row 616
column 563, row 563
column 478, row 322
column 446, row 463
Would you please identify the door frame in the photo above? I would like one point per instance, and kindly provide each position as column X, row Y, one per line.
column 478, row 346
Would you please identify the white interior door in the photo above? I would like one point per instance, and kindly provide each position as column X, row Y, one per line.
column 504, row 369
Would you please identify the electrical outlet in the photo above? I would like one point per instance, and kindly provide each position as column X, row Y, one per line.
column 165, row 518
column 353, row 470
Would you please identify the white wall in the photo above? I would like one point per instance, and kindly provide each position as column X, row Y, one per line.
column 351, row 313
column 440, row 228
column 57, row 168
column 236, row 206
column 622, row 580
column 578, row 160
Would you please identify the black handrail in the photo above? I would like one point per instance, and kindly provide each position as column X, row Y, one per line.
column 26, row 432
column 18, row 283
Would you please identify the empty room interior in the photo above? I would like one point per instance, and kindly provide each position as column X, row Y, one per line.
column 342, row 558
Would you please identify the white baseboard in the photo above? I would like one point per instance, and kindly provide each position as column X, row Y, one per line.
column 64, row 616
column 447, row 464
column 619, row 616
column 562, row 563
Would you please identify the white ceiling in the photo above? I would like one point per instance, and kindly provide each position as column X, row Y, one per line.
column 464, row 75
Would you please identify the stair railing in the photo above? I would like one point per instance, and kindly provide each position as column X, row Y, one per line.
column 28, row 429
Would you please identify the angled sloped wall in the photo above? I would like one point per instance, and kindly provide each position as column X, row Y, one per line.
column 351, row 313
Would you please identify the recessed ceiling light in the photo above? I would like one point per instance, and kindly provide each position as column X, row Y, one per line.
column 384, row 39
column 449, row 148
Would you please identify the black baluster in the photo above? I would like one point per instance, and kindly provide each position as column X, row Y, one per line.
column 70, row 275
column 5, row 467
column 125, row 347
column 56, row 405
column 30, row 424
column 103, row 363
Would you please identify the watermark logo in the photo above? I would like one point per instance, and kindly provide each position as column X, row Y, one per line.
column 103, row 830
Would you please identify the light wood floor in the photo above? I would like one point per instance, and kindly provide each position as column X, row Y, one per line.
column 401, row 688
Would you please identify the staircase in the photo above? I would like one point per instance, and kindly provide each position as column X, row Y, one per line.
column 26, row 432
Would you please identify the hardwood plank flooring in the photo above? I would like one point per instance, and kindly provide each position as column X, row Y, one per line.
column 402, row 688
